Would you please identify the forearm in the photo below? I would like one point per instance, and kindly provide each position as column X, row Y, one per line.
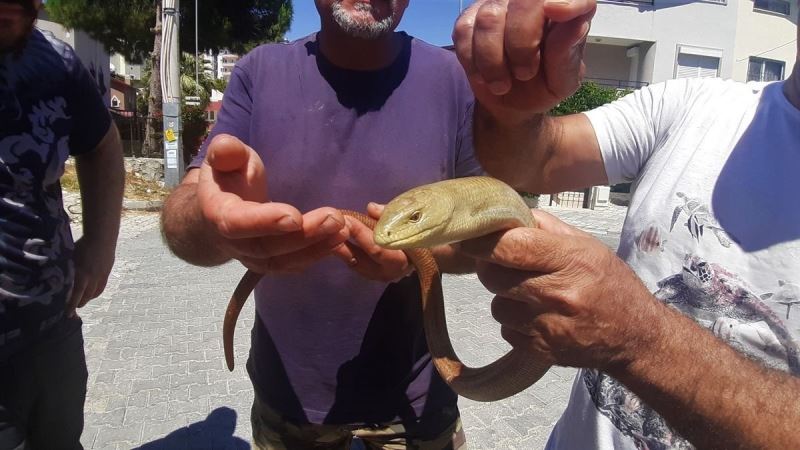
column 539, row 154
column 101, row 176
column 185, row 232
column 503, row 147
column 708, row 392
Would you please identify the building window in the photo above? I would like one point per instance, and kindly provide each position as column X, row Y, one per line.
column 114, row 102
column 211, row 116
column 761, row 69
column 776, row 6
column 697, row 66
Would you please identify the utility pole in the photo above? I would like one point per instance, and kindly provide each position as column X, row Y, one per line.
column 196, row 46
column 171, row 88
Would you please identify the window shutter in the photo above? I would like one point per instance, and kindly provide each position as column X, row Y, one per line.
column 697, row 66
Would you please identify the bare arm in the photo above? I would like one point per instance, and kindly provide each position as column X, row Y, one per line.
column 184, row 229
column 541, row 154
column 568, row 300
column 101, row 176
column 711, row 394
column 222, row 212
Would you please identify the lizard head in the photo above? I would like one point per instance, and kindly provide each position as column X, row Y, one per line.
column 414, row 219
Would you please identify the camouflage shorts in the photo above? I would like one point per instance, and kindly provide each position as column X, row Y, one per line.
column 272, row 432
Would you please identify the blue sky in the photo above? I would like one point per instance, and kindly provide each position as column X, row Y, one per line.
column 429, row 20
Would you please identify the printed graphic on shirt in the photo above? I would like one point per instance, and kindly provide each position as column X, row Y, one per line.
column 651, row 239
column 29, row 172
column 36, row 270
column 719, row 301
column 699, row 219
column 787, row 294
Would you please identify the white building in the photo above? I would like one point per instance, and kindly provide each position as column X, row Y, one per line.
column 209, row 61
column 766, row 40
column 92, row 54
column 120, row 66
column 637, row 42
column 225, row 64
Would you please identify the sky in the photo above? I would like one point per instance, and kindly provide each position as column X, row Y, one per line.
column 429, row 20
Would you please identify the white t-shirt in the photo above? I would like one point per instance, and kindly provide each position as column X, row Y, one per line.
column 713, row 230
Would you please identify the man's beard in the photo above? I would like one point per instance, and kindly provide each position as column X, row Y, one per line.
column 359, row 28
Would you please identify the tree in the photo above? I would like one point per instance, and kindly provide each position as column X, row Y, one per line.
column 132, row 27
column 193, row 118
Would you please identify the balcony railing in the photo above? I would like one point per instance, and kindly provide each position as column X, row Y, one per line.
column 617, row 84
column 645, row 2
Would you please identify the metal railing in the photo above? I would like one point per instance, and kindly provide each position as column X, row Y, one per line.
column 617, row 84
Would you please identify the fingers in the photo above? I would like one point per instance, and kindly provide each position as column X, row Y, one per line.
column 369, row 259
column 566, row 10
column 525, row 24
column 232, row 167
column 463, row 32
column 318, row 226
column 489, row 57
column 91, row 294
column 237, row 219
column 526, row 249
column 78, row 288
column 227, row 154
column 295, row 262
column 552, row 224
column 563, row 54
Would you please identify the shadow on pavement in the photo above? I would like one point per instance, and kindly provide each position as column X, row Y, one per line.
column 215, row 432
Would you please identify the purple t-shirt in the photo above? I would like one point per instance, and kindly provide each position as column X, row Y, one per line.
column 331, row 346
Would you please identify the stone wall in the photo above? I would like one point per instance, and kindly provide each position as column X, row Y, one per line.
column 147, row 168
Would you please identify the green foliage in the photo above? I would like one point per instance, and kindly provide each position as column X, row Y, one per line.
column 589, row 96
column 193, row 121
column 126, row 26
column 238, row 25
column 123, row 26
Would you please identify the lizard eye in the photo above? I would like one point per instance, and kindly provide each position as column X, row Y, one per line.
column 415, row 216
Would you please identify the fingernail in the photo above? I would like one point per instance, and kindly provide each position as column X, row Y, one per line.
column 287, row 223
column 499, row 87
column 524, row 73
column 558, row 2
column 330, row 225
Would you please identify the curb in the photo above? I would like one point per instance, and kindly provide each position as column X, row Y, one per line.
column 142, row 205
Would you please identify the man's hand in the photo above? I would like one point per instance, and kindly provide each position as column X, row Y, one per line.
column 563, row 295
column 266, row 237
column 367, row 258
column 522, row 57
column 101, row 175
column 93, row 262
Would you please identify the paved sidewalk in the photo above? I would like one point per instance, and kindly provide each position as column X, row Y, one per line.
column 157, row 376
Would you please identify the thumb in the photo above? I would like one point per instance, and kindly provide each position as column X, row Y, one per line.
column 563, row 54
column 528, row 249
column 227, row 154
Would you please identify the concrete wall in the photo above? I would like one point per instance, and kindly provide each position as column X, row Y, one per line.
column 606, row 61
column 759, row 33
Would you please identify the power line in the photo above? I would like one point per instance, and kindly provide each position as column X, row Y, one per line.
column 767, row 51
